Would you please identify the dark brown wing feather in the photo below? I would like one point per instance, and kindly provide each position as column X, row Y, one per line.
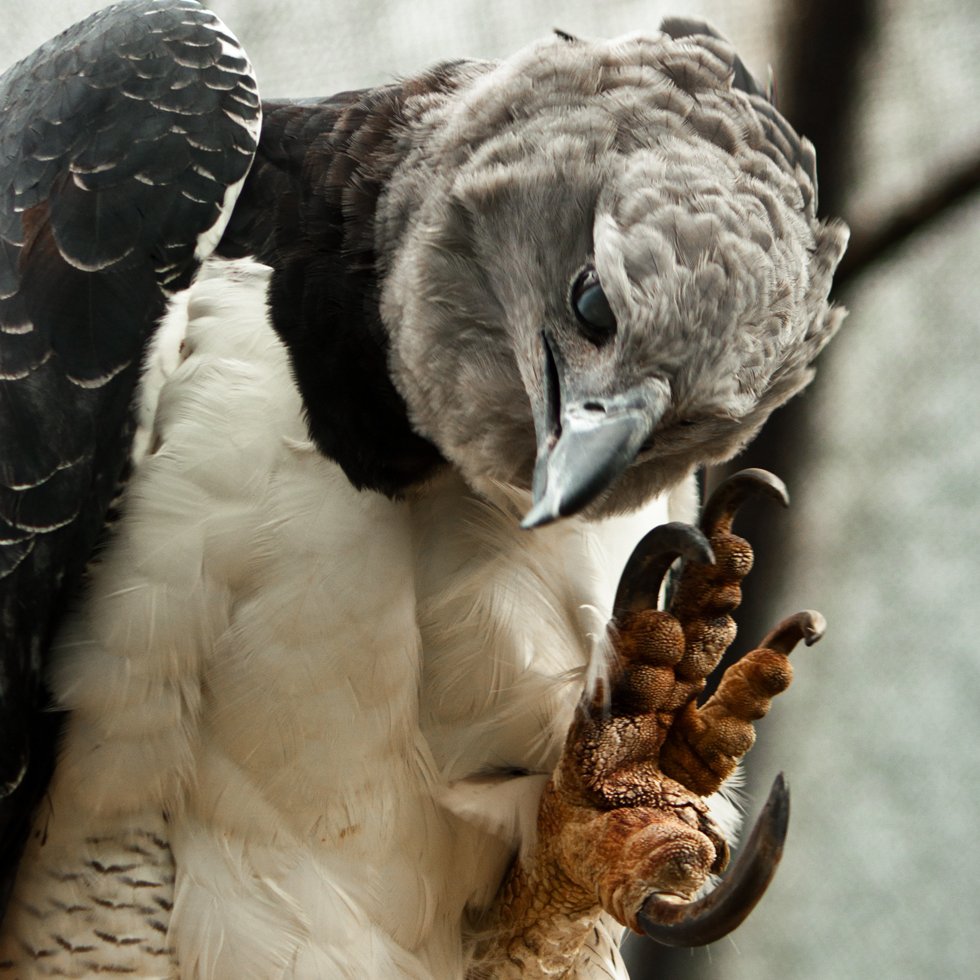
column 118, row 141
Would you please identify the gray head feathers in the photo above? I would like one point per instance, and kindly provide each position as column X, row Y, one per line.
column 658, row 161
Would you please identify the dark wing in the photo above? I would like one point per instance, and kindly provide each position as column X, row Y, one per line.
column 122, row 144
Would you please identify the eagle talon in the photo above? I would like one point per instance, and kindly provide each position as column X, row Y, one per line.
column 721, row 507
column 725, row 907
column 624, row 826
column 639, row 585
column 808, row 626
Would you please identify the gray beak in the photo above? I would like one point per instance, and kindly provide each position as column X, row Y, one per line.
column 585, row 440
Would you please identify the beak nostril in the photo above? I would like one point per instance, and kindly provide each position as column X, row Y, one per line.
column 595, row 407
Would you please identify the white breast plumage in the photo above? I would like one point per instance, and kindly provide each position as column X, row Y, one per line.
column 295, row 685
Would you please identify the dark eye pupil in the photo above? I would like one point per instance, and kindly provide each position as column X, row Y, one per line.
column 592, row 308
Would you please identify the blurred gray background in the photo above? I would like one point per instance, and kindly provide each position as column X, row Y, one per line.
column 880, row 733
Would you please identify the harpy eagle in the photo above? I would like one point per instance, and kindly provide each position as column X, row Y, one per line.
column 312, row 419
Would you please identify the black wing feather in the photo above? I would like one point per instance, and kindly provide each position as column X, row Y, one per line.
column 118, row 142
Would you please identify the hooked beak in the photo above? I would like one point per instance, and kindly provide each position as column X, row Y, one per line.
column 585, row 440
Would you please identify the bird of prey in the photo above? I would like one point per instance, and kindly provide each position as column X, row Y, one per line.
column 315, row 418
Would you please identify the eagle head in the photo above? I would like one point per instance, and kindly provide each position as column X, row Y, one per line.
column 604, row 267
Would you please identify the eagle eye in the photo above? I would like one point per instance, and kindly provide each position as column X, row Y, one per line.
column 591, row 307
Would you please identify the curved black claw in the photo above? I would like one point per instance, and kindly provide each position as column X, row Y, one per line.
column 723, row 504
column 808, row 626
column 715, row 915
column 639, row 585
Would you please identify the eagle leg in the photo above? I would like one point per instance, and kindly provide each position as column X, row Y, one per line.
column 624, row 825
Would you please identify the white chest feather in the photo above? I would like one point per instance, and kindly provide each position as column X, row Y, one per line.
column 294, row 685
